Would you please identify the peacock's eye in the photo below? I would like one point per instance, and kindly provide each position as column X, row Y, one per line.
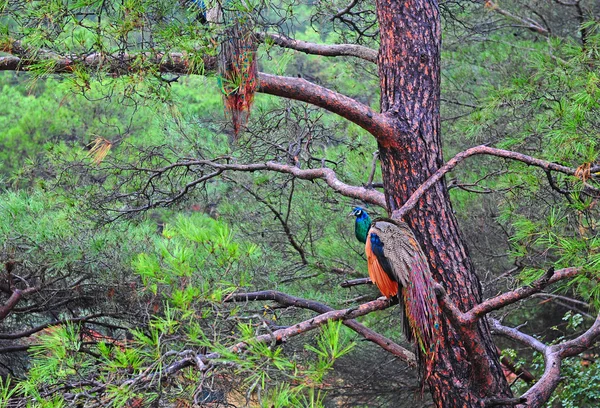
column 359, row 212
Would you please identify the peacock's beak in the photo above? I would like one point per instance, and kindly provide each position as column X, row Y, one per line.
column 351, row 214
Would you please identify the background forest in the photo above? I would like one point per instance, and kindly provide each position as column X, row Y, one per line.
column 120, row 267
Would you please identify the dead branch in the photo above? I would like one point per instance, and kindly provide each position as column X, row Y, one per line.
column 356, row 282
column 33, row 330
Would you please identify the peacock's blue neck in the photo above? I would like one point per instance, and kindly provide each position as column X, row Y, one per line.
column 361, row 226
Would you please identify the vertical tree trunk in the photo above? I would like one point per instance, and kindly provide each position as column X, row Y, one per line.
column 409, row 70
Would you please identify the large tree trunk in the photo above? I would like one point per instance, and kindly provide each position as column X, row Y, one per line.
column 409, row 70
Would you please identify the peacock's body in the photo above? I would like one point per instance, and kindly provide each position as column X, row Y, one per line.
column 237, row 67
column 398, row 267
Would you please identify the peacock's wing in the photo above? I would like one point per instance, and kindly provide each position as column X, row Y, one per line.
column 408, row 265
column 379, row 271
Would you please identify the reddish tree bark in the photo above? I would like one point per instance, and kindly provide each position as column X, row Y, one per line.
column 467, row 370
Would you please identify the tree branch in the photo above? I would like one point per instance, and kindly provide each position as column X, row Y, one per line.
column 367, row 333
column 514, row 296
column 326, row 50
column 300, row 89
column 23, row 59
column 178, row 63
column 471, row 316
column 537, row 395
column 282, row 335
column 282, row 221
column 29, row 332
column 526, row 22
column 477, row 150
column 356, row 282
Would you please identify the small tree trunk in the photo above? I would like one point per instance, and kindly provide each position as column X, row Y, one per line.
column 409, row 71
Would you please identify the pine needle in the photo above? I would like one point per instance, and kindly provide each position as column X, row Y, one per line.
column 583, row 172
column 99, row 150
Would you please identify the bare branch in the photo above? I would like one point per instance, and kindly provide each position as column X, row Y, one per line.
column 356, row 282
column 282, row 335
column 12, row 301
column 373, row 169
column 326, row 174
column 282, row 221
column 326, row 50
column 515, row 334
column 23, row 59
column 367, row 333
column 29, row 332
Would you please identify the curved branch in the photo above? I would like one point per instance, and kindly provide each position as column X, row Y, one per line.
column 10, row 303
column 368, row 334
column 301, row 90
column 477, row 150
column 326, row 50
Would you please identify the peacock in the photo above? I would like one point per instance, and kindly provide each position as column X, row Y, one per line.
column 237, row 67
column 398, row 267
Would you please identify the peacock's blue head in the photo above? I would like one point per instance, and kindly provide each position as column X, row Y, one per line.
column 362, row 223
column 359, row 213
